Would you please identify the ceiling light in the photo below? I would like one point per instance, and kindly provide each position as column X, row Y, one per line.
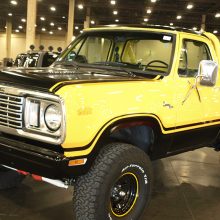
column 51, row 32
column 17, row 31
column 20, row 27
column 195, row 28
column 113, row 2
column 115, row 12
column 116, row 20
column 14, row 2
column 23, row 20
column 215, row 31
column 80, row 6
column 43, row 29
column 59, row 28
column 171, row 24
column 217, row 15
column 149, row 11
column 52, row 24
column 190, row 6
column 146, row 19
column 52, row 8
column 178, row 17
column 35, row 25
column 153, row 1
column 92, row 22
column 42, row 18
column 76, row 27
column 64, row 17
column 81, row 31
column 10, row 14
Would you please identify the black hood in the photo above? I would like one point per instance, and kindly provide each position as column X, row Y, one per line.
column 26, row 78
column 45, row 78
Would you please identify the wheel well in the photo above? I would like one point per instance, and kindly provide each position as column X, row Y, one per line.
column 140, row 132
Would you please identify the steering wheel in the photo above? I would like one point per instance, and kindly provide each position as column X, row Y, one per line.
column 157, row 61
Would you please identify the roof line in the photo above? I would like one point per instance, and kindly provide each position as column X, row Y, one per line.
column 170, row 28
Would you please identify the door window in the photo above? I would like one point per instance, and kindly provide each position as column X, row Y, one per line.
column 192, row 53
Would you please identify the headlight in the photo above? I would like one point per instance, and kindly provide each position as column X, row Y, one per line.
column 53, row 117
column 44, row 117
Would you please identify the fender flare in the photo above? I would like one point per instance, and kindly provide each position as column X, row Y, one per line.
column 110, row 126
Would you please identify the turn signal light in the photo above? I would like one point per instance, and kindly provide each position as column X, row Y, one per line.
column 77, row 162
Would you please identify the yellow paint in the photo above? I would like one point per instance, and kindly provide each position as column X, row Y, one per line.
column 92, row 107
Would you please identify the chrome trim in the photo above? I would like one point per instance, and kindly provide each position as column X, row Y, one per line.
column 208, row 72
column 25, row 132
column 42, row 125
column 11, row 110
column 17, row 115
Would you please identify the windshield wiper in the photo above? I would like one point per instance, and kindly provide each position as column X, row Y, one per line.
column 129, row 72
column 113, row 66
column 119, row 65
column 109, row 63
column 128, row 68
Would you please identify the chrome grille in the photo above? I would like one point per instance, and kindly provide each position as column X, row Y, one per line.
column 11, row 110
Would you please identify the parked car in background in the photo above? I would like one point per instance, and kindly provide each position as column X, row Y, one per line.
column 35, row 59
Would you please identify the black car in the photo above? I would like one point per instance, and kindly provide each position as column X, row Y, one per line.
column 35, row 59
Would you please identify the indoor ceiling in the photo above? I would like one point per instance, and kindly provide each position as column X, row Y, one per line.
column 163, row 12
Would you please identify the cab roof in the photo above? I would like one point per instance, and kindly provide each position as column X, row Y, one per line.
column 159, row 28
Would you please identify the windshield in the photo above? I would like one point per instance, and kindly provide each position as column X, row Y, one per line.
column 145, row 51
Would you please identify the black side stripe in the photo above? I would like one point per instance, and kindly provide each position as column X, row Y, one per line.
column 60, row 85
column 144, row 114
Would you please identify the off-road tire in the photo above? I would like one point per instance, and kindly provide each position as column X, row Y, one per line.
column 9, row 178
column 92, row 198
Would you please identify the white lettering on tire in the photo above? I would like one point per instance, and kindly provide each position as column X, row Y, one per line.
column 138, row 167
column 110, row 218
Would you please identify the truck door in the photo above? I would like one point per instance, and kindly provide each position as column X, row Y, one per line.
column 210, row 98
column 191, row 130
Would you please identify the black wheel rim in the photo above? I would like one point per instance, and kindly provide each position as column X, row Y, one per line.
column 124, row 194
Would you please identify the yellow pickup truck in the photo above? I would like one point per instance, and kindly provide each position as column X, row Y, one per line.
column 115, row 99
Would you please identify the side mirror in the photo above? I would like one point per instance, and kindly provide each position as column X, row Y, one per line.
column 208, row 72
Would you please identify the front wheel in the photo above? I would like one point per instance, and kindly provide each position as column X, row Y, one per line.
column 118, row 186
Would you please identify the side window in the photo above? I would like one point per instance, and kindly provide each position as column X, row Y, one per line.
column 192, row 53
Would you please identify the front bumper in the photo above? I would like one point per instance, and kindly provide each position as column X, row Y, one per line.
column 34, row 159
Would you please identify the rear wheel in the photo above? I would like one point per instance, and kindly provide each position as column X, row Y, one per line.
column 118, row 186
column 9, row 178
